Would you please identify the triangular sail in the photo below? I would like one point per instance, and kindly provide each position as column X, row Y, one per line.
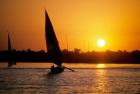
column 52, row 42
column 10, row 63
column 9, row 44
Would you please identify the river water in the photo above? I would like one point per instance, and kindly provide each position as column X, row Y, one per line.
column 87, row 79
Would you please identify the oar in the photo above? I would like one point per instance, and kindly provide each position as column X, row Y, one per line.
column 69, row 68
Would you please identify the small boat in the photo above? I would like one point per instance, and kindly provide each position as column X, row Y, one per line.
column 53, row 48
column 10, row 62
column 57, row 69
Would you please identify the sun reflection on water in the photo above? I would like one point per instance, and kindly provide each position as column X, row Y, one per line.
column 101, row 81
column 100, row 65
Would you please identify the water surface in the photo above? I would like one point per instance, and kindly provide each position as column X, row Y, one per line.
column 83, row 81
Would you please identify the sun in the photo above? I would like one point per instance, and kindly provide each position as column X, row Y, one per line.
column 100, row 66
column 101, row 43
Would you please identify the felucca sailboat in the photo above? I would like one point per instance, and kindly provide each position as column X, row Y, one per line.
column 10, row 62
column 53, row 48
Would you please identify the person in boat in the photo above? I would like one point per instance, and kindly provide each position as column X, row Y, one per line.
column 52, row 67
column 59, row 68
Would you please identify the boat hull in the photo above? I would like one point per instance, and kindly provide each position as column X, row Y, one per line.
column 57, row 70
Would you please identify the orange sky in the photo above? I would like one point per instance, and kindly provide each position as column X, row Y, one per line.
column 81, row 22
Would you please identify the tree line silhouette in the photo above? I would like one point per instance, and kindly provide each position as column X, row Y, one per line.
column 75, row 56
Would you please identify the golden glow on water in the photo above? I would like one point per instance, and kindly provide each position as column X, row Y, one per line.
column 82, row 81
column 101, row 66
column 70, row 65
column 101, row 80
